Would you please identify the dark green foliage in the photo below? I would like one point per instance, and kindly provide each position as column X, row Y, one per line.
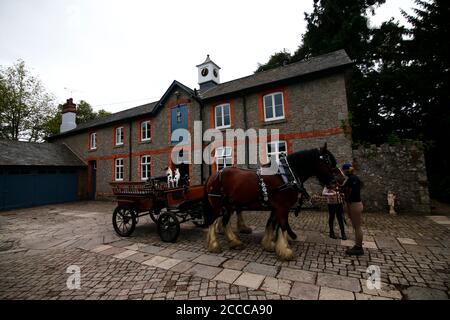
column 85, row 113
column 399, row 86
column 278, row 59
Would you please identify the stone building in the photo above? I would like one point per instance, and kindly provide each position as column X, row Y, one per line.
column 306, row 101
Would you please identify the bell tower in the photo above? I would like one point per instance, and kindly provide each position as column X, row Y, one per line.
column 208, row 74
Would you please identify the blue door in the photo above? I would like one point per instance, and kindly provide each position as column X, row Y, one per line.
column 178, row 120
column 23, row 187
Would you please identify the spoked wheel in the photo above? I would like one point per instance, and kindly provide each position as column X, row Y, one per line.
column 124, row 220
column 154, row 214
column 168, row 227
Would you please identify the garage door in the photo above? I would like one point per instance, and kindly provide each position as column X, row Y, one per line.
column 23, row 187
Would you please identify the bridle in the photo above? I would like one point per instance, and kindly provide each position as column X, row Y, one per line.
column 325, row 158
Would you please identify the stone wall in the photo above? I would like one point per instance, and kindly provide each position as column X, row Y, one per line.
column 400, row 169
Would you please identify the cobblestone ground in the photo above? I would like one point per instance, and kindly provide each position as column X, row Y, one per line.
column 37, row 246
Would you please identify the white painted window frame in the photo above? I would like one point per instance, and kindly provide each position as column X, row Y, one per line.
column 119, row 136
column 277, row 151
column 93, row 140
column 272, row 95
column 222, row 155
column 119, row 169
column 147, row 164
column 148, row 130
column 222, row 115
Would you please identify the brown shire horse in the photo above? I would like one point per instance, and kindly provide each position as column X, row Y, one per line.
column 233, row 189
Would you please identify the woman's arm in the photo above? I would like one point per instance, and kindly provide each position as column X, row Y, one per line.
column 327, row 192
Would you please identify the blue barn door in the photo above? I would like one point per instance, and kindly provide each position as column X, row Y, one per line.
column 178, row 120
column 26, row 187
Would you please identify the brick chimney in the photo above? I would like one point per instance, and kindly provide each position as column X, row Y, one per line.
column 69, row 113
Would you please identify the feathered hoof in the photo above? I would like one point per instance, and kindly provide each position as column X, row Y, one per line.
column 214, row 247
column 236, row 245
column 286, row 254
column 219, row 227
column 268, row 245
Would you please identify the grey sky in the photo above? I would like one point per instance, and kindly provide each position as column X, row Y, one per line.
column 119, row 54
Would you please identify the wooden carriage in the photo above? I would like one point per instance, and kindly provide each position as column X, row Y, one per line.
column 167, row 207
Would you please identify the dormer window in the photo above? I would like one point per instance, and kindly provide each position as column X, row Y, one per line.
column 119, row 136
column 93, row 141
column 273, row 106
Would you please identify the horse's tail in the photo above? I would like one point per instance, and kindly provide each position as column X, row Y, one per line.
column 213, row 197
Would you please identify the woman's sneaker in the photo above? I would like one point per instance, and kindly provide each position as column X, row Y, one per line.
column 355, row 251
column 344, row 237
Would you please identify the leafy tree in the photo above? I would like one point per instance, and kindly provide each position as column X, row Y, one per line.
column 335, row 25
column 399, row 88
column 85, row 113
column 275, row 60
column 429, row 55
column 25, row 105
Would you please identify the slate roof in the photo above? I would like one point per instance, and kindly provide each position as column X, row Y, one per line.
column 324, row 62
column 134, row 112
column 148, row 109
column 18, row 153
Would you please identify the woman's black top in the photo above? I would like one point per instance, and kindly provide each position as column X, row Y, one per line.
column 354, row 184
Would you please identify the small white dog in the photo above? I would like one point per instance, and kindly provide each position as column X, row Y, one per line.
column 169, row 174
column 176, row 179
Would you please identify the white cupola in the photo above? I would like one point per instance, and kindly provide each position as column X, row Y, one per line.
column 69, row 115
column 208, row 74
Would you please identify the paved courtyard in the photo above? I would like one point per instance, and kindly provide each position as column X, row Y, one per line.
column 37, row 246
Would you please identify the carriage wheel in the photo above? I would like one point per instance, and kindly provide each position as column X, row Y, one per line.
column 168, row 227
column 124, row 220
column 154, row 214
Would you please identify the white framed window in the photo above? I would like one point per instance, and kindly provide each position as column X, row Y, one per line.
column 222, row 116
column 223, row 157
column 273, row 106
column 93, row 141
column 119, row 169
column 119, row 136
column 146, row 131
column 145, row 167
column 275, row 149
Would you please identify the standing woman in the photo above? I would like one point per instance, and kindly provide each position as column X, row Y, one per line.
column 335, row 209
column 352, row 191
